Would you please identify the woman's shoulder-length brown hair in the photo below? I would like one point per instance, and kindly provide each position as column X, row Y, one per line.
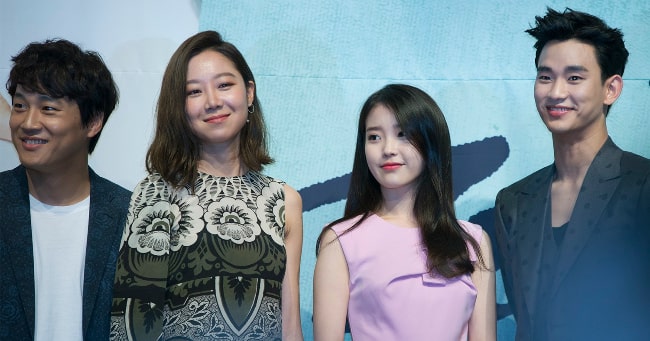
column 174, row 151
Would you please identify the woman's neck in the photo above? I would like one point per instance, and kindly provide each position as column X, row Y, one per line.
column 221, row 164
column 397, row 207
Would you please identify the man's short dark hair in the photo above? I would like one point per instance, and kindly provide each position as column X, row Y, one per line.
column 60, row 69
column 611, row 53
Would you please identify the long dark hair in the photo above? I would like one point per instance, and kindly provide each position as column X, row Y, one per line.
column 174, row 152
column 424, row 125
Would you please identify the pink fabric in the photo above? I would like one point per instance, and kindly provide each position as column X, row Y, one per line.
column 392, row 297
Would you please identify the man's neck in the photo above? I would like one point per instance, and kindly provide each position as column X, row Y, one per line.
column 573, row 156
column 61, row 188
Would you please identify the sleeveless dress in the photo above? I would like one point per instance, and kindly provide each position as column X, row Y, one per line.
column 202, row 266
column 392, row 296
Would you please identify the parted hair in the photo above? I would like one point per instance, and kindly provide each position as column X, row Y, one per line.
column 174, row 151
column 424, row 125
column 61, row 69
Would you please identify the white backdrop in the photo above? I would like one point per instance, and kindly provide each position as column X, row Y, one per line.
column 136, row 40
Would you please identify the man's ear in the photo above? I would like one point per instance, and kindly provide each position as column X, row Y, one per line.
column 613, row 89
column 5, row 112
column 95, row 126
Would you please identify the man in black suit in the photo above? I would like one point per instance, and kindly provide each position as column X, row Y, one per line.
column 574, row 237
column 60, row 223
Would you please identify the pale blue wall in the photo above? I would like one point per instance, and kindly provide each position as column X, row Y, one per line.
column 315, row 64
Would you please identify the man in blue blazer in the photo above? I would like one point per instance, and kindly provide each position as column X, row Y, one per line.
column 574, row 237
column 60, row 223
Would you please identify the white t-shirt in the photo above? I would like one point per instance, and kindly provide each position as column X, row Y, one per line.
column 59, row 236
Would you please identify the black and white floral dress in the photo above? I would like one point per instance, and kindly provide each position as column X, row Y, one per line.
column 202, row 266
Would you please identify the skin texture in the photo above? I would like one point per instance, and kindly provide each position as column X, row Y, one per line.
column 393, row 161
column 571, row 99
column 217, row 101
column 52, row 144
column 291, row 325
column 385, row 144
column 217, row 108
column 331, row 290
column 5, row 111
column 569, row 93
column 483, row 323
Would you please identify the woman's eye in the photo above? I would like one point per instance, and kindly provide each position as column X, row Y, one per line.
column 373, row 137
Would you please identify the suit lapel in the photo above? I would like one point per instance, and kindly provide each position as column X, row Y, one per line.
column 101, row 225
column 599, row 184
column 18, row 233
column 533, row 213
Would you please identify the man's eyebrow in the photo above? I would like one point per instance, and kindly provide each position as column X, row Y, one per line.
column 576, row 68
column 41, row 97
column 570, row 68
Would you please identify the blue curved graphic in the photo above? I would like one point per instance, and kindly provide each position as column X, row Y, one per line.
column 472, row 162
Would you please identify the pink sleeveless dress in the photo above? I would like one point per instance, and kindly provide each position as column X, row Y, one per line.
column 392, row 297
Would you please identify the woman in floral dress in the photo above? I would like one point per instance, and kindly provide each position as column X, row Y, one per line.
column 211, row 248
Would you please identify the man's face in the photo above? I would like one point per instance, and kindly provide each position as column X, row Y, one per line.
column 47, row 132
column 569, row 92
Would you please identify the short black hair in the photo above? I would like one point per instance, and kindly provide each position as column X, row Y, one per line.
column 608, row 43
column 60, row 68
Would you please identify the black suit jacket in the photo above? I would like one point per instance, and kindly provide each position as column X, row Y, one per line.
column 596, row 284
column 108, row 208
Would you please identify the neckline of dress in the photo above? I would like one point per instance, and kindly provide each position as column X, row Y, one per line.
column 244, row 175
column 388, row 223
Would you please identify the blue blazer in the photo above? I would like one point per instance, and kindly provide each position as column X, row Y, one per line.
column 108, row 209
column 596, row 284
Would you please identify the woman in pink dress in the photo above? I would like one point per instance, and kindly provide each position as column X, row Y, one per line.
column 399, row 265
